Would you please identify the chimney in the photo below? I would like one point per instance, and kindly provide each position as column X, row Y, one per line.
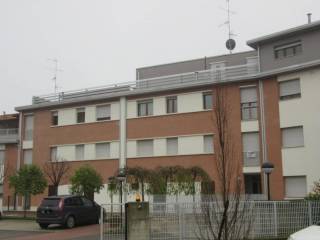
column 309, row 17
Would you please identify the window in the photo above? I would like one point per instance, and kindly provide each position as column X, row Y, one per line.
column 292, row 137
column 103, row 112
column 251, row 148
column 27, row 156
column 145, row 148
column 290, row 89
column 208, row 144
column 54, row 118
column 81, row 115
column 28, row 128
column 145, row 108
column 53, row 154
column 252, row 183
column 172, row 104
column 207, row 100
column 295, row 187
column 172, row 146
column 80, row 152
column 288, row 50
column 249, row 104
column 102, row 150
column 87, row 202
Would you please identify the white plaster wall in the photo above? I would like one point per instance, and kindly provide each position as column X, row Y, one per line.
column 191, row 102
column 251, row 169
column 306, row 112
column 115, row 111
column 250, row 126
column 190, row 145
column 27, row 144
column 64, row 189
column 159, row 106
column 131, row 109
column 160, row 147
column 90, row 114
column 114, row 150
column 89, row 151
column 131, row 148
column 66, row 152
column 66, row 116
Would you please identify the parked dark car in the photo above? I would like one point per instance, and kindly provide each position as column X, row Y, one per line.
column 68, row 211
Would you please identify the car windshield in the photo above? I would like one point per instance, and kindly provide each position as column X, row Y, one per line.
column 50, row 202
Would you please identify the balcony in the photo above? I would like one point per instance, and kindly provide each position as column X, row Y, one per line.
column 210, row 76
column 9, row 135
column 251, row 159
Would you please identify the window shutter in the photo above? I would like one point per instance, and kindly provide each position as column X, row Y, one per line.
column 28, row 127
column 27, row 156
column 145, row 148
column 292, row 137
column 79, row 152
column 54, row 154
column 291, row 87
column 172, row 146
column 208, row 144
column 102, row 150
column 103, row 112
column 250, row 142
column 296, row 187
column 248, row 94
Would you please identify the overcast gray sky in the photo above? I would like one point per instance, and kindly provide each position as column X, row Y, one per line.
column 100, row 42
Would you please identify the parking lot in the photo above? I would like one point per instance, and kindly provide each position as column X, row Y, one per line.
column 29, row 230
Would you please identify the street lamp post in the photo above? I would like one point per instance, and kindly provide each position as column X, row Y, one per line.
column 267, row 168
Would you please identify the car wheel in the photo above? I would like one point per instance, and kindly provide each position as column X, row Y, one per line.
column 43, row 226
column 70, row 222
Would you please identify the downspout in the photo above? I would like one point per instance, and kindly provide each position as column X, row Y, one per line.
column 262, row 122
column 123, row 140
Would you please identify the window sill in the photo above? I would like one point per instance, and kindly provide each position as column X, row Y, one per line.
column 169, row 114
column 178, row 155
column 75, row 124
column 293, row 147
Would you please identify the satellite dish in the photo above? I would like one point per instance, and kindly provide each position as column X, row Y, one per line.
column 230, row 44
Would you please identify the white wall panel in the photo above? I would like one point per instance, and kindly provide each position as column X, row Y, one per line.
column 114, row 150
column 160, row 147
column 66, row 152
column 90, row 113
column 64, row 189
column 191, row 102
column 250, row 126
column 131, row 109
column 190, row 145
column 66, row 116
column 131, row 148
column 27, row 144
column 159, row 106
column 115, row 111
column 89, row 151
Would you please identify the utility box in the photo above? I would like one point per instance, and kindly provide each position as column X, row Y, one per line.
column 137, row 221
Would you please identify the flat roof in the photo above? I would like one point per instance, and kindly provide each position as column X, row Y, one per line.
column 288, row 32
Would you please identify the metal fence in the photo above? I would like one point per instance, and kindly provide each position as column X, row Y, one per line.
column 177, row 221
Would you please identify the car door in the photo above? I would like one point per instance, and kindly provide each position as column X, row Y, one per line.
column 89, row 209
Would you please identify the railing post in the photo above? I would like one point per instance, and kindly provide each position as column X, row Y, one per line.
column 310, row 213
column 101, row 222
column 275, row 219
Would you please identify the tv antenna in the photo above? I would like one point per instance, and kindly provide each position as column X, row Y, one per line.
column 56, row 69
column 230, row 43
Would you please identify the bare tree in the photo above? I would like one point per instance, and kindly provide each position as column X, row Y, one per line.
column 226, row 214
column 56, row 171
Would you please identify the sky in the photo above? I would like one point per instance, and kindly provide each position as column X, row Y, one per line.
column 101, row 42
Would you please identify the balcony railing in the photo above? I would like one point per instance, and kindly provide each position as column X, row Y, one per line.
column 207, row 76
column 251, row 159
column 8, row 135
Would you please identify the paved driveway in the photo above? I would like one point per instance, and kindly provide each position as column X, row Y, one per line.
column 29, row 230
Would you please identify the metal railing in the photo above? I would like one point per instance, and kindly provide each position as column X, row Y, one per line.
column 9, row 134
column 251, row 159
column 207, row 76
column 267, row 219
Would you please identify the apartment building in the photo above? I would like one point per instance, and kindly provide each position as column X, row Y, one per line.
column 164, row 118
column 8, row 153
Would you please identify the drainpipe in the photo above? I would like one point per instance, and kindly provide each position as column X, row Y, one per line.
column 123, row 133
